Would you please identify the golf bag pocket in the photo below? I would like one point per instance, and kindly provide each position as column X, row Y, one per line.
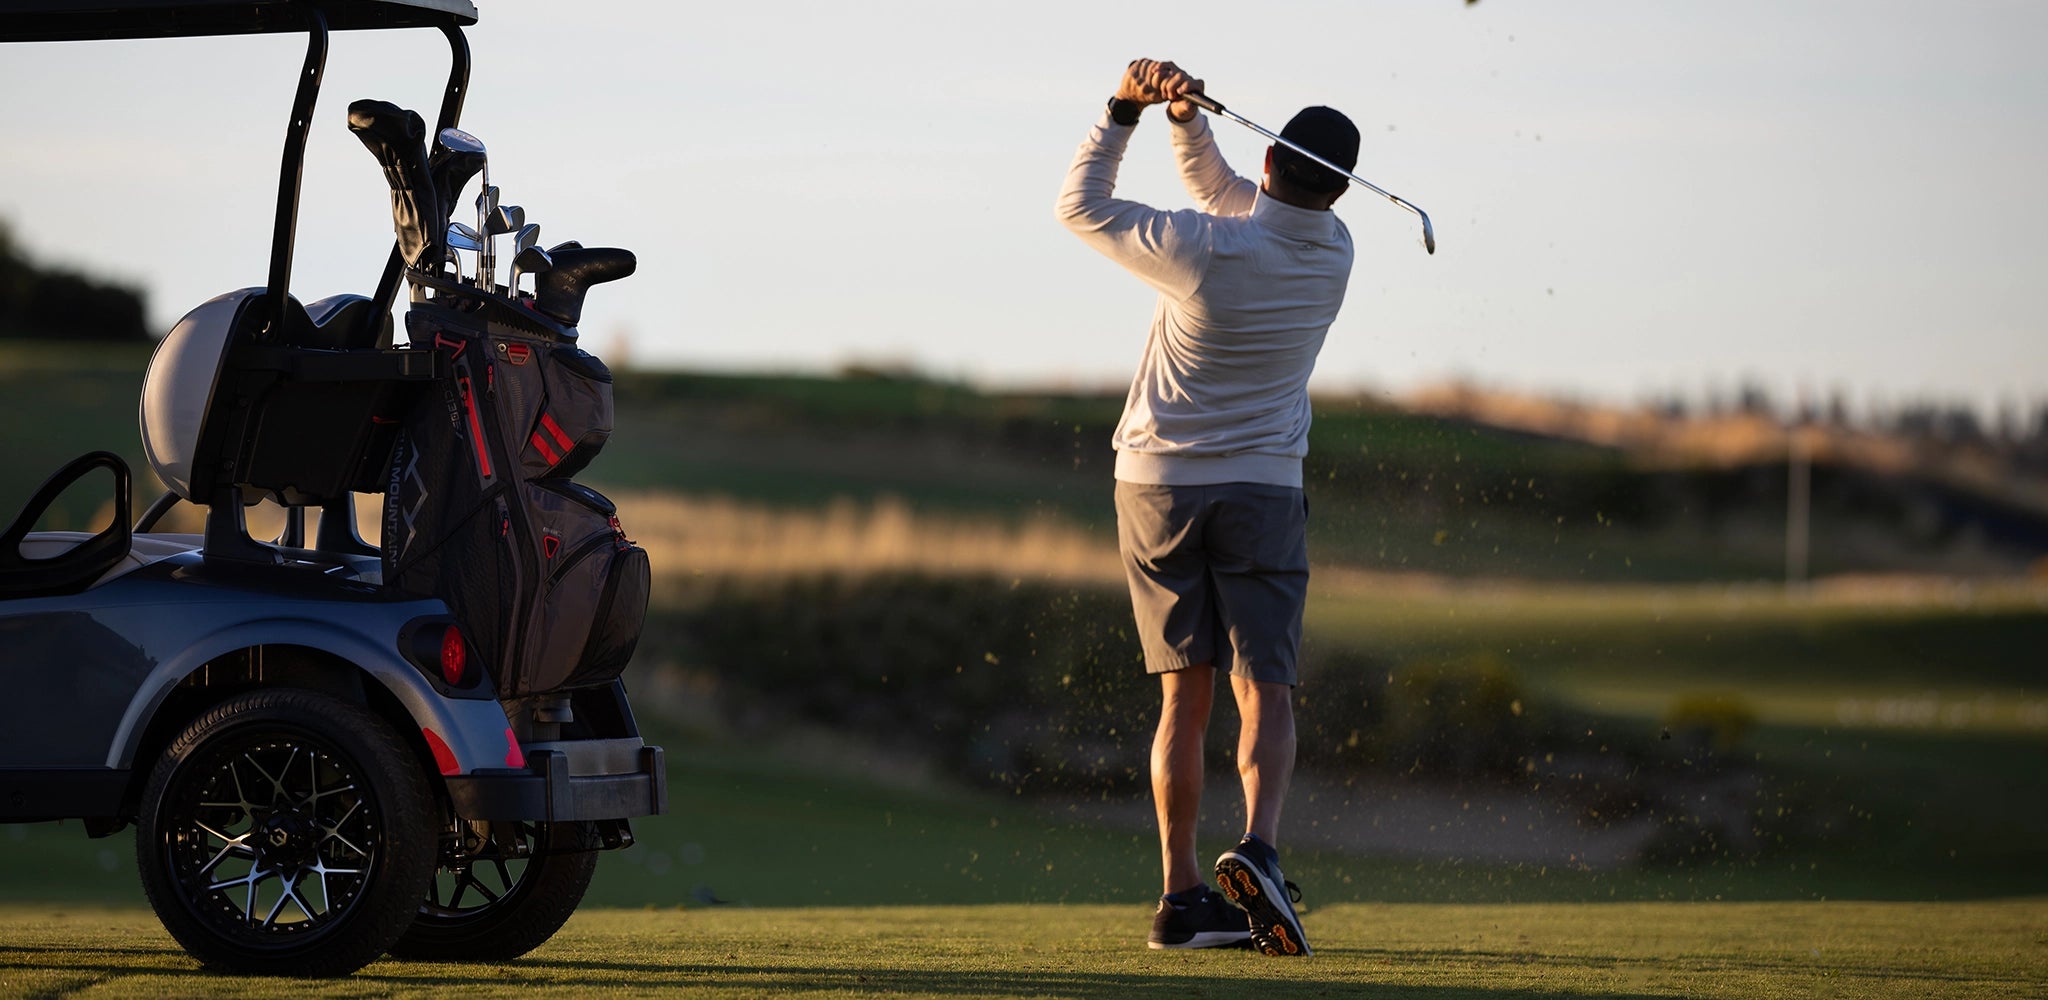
column 556, row 404
column 591, row 601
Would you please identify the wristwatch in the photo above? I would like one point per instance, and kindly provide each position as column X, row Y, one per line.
column 1124, row 112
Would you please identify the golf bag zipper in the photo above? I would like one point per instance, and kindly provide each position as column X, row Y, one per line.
column 616, row 539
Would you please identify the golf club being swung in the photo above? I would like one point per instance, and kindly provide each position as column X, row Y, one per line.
column 1216, row 107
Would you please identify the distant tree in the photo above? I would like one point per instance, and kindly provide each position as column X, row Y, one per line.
column 1838, row 408
column 1754, row 400
column 61, row 304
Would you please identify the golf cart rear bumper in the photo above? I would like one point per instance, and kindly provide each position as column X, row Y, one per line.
column 549, row 789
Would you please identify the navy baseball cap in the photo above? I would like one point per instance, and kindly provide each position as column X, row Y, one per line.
column 1324, row 132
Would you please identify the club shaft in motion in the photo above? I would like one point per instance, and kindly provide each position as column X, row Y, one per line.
column 1216, row 107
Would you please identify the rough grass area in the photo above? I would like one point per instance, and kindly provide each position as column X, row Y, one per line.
column 1434, row 951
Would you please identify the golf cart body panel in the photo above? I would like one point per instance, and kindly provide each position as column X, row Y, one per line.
column 89, row 672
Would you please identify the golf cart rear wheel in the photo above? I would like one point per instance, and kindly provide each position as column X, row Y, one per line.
column 488, row 904
column 285, row 832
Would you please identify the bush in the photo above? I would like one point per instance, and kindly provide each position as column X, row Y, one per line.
column 1016, row 685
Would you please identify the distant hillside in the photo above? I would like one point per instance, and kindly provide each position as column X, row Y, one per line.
column 52, row 303
column 1391, row 490
column 2007, row 464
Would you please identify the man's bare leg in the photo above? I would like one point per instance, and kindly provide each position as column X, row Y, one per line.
column 1186, row 696
column 1265, row 752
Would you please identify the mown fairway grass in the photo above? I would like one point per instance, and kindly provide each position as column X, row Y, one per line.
column 1990, row 949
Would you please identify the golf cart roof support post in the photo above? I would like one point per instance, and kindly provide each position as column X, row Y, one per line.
column 451, row 115
column 293, row 167
column 458, row 78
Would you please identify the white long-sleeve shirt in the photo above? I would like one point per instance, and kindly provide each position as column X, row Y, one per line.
column 1248, row 287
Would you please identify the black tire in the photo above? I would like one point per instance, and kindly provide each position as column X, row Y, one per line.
column 233, row 868
column 487, row 906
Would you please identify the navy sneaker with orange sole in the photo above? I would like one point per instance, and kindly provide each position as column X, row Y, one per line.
column 1205, row 921
column 1250, row 875
column 1199, row 921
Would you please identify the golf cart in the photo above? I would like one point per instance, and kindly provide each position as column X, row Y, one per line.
column 329, row 749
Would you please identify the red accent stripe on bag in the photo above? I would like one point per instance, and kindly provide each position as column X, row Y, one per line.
column 545, row 452
column 547, row 421
column 476, row 429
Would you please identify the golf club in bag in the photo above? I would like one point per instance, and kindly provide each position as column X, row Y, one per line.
column 480, row 507
column 1216, row 107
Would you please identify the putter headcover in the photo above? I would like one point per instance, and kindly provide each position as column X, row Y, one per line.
column 397, row 138
column 559, row 291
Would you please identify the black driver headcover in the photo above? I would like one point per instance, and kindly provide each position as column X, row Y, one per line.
column 397, row 138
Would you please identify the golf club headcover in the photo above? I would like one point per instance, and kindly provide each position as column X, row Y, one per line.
column 558, row 292
column 450, row 169
column 397, row 138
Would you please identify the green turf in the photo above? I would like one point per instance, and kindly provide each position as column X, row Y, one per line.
column 1429, row 951
column 765, row 831
column 1920, row 726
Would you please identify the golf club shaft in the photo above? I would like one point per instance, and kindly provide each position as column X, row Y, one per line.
column 1216, row 107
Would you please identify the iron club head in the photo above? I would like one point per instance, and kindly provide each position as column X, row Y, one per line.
column 530, row 260
column 504, row 219
column 461, row 237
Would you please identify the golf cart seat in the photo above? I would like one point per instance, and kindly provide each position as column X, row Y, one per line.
column 47, row 563
column 305, row 412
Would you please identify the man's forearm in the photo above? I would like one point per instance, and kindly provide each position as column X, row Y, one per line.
column 1165, row 250
column 1216, row 188
column 1087, row 200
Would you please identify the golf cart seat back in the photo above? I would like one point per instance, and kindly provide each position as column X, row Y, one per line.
column 305, row 414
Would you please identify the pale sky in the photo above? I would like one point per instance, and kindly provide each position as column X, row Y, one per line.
column 1628, row 197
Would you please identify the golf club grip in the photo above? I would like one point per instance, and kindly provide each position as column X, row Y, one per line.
column 1203, row 101
column 396, row 137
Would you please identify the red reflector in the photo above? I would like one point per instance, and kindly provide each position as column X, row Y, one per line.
column 444, row 758
column 514, row 757
column 454, row 656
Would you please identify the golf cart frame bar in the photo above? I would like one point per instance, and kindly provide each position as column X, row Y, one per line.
column 59, row 21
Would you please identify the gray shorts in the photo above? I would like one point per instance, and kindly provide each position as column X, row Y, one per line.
column 1218, row 575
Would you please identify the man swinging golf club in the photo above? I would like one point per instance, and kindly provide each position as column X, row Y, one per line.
column 1211, row 518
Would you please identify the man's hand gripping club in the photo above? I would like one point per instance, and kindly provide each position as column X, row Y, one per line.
column 1153, row 81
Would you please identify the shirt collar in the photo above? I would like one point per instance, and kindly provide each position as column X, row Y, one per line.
column 1293, row 221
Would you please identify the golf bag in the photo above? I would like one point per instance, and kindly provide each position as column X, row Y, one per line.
column 480, row 511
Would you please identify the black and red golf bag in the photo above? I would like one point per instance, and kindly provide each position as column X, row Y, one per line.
column 480, row 510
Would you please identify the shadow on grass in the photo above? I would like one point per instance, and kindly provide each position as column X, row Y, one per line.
column 884, row 979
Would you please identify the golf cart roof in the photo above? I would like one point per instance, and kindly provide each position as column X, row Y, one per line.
column 82, row 20
column 89, row 20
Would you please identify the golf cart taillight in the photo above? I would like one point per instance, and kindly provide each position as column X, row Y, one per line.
column 454, row 657
column 439, row 650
